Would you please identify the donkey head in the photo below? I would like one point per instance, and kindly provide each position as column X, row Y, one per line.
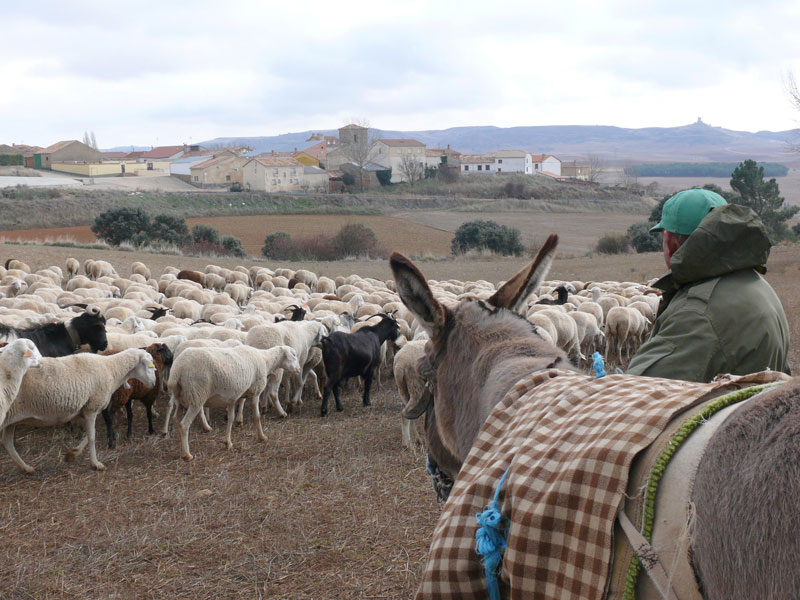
column 477, row 350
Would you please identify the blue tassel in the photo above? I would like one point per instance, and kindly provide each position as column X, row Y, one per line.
column 490, row 543
column 598, row 365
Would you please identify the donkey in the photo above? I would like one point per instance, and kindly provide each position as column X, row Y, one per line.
column 745, row 493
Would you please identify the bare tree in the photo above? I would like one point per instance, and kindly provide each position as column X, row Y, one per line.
column 89, row 139
column 411, row 169
column 790, row 84
column 628, row 177
column 360, row 149
column 597, row 167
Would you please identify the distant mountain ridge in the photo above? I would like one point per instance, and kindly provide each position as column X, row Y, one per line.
column 697, row 142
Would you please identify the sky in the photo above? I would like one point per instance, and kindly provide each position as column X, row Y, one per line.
column 164, row 73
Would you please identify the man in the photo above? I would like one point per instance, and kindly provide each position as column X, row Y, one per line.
column 717, row 314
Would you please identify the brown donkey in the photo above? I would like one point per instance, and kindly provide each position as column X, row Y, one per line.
column 746, row 494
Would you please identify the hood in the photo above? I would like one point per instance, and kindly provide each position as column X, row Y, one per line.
column 730, row 238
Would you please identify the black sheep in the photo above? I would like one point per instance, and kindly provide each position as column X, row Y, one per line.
column 63, row 339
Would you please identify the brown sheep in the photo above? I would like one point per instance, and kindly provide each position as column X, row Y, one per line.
column 195, row 276
column 162, row 358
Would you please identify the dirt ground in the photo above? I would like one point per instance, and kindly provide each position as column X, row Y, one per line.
column 325, row 509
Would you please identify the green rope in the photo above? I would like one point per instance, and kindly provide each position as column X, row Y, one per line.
column 661, row 464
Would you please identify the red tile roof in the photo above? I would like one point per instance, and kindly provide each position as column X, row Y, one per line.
column 58, row 146
column 278, row 161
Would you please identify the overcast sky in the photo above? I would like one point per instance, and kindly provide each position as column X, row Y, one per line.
column 172, row 72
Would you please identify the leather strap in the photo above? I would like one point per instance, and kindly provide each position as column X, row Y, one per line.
column 648, row 557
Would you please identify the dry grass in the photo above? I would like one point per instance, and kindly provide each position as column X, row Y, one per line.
column 325, row 509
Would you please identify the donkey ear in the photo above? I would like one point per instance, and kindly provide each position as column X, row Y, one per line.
column 416, row 294
column 517, row 289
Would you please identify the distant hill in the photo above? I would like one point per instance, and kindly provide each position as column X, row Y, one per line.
column 617, row 145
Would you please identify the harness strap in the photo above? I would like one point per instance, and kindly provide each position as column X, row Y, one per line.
column 648, row 557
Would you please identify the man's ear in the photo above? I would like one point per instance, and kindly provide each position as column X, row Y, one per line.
column 416, row 294
column 515, row 291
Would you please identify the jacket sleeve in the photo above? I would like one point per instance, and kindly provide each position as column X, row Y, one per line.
column 684, row 347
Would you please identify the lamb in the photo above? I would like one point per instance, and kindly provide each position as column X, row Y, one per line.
column 73, row 389
column 411, row 385
column 136, row 390
column 15, row 359
column 218, row 377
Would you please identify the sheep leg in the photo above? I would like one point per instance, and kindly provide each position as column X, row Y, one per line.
column 275, row 402
column 298, row 381
column 231, row 417
column 405, row 429
column 109, row 421
column 257, row 415
column 170, row 408
column 315, row 383
column 7, row 439
column 129, row 417
column 205, row 415
column 240, row 411
column 324, row 407
column 89, row 422
column 75, row 452
column 149, row 409
column 183, row 430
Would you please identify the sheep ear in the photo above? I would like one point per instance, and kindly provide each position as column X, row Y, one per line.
column 416, row 294
column 516, row 290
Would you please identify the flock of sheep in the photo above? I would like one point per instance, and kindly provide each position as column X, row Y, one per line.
column 224, row 338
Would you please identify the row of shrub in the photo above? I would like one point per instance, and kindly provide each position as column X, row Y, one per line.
column 134, row 226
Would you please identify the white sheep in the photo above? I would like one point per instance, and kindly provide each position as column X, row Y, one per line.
column 15, row 359
column 218, row 377
column 411, row 386
column 73, row 389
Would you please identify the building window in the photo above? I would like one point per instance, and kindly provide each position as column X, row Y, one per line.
column 419, row 150
column 196, row 178
column 466, row 167
column 409, row 150
column 274, row 171
column 499, row 169
column 536, row 166
column 480, row 167
column 500, row 161
column 227, row 177
column 273, row 182
column 487, row 167
column 149, row 166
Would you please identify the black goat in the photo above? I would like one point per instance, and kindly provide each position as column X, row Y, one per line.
column 347, row 355
column 63, row 339
column 563, row 295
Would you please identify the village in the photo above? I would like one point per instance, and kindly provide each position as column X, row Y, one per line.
column 356, row 158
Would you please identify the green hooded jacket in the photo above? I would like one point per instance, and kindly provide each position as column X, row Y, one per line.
column 717, row 314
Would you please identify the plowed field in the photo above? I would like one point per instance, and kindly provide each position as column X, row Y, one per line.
column 393, row 233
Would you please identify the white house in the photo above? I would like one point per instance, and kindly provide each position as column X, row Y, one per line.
column 546, row 163
column 478, row 163
column 513, row 161
column 277, row 174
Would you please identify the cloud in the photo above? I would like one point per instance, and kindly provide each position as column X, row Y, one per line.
column 174, row 71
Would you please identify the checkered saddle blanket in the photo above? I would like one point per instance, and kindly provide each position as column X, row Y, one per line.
column 568, row 441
